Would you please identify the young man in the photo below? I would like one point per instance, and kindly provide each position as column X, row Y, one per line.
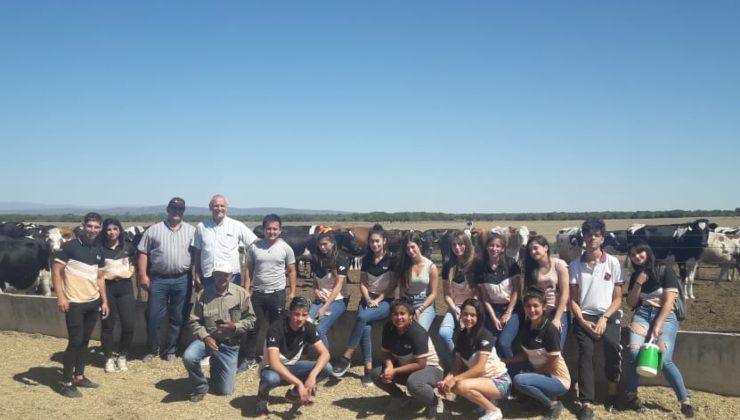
column 220, row 316
column 595, row 300
column 269, row 260
column 80, row 289
column 165, row 250
column 286, row 340
column 217, row 239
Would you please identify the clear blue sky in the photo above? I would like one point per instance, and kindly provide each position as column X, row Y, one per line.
column 456, row 106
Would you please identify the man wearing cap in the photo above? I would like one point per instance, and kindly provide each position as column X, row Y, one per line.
column 217, row 239
column 165, row 249
column 220, row 316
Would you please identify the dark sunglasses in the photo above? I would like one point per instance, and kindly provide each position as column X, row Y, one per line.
column 178, row 208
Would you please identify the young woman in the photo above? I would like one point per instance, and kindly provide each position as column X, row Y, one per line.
column 551, row 275
column 477, row 375
column 498, row 277
column 329, row 272
column 409, row 360
column 118, row 268
column 652, row 292
column 458, row 286
column 377, row 286
column 419, row 279
column 541, row 343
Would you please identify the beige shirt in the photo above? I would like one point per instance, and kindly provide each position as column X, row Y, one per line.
column 233, row 305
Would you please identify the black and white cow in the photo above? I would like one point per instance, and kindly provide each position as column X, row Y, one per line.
column 684, row 242
column 21, row 260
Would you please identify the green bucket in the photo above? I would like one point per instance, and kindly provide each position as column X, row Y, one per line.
column 649, row 361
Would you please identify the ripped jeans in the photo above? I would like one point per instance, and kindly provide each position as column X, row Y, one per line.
column 640, row 329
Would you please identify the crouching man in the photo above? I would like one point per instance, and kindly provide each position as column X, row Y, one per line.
column 220, row 316
column 286, row 339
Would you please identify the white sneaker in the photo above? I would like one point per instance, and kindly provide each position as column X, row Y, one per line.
column 110, row 365
column 492, row 415
column 121, row 363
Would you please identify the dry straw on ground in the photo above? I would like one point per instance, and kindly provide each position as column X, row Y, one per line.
column 31, row 371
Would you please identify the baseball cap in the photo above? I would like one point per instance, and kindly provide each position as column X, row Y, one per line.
column 176, row 202
column 222, row 267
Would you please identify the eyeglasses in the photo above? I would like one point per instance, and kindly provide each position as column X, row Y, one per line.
column 177, row 208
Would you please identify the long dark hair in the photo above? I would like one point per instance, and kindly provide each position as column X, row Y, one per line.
column 121, row 235
column 403, row 268
column 327, row 262
column 531, row 267
column 480, row 313
column 650, row 266
column 466, row 261
column 377, row 229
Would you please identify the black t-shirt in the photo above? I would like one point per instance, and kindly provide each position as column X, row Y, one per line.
column 342, row 267
column 484, row 274
column 652, row 291
column 483, row 342
column 541, row 343
column 460, row 275
column 77, row 250
column 117, row 260
column 412, row 344
column 290, row 343
column 383, row 266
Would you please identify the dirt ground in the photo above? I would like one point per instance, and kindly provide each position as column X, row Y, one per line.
column 31, row 370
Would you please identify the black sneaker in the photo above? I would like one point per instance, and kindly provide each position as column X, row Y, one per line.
column 367, row 379
column 85, row 383
column 70, row 391
column 554, row 412
column 292, row 395
column 263, row 408
column 633, row 403
column 341, row 367
column 687, row 410
column 610, row 405
column 586, row 413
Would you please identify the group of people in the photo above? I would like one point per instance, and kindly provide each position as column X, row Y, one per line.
column 504, row 331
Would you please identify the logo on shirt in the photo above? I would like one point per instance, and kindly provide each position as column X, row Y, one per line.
column 607, row 276
column 272, row 340
column 407, row 346
column 342, row 268
column 385, row 267
column 484, row 343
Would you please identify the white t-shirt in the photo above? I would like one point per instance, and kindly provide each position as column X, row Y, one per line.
column 596, row 286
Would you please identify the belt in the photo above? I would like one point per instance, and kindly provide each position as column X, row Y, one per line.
column 117, row 279
column 267, row 292
column 168, row 276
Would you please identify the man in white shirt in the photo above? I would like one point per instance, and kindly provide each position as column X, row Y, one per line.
column 217, row 239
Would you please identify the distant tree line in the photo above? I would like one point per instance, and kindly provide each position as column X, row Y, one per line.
column 380, row 217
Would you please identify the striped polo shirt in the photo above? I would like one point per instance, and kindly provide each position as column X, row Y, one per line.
column 168, row 250
column 80, row 276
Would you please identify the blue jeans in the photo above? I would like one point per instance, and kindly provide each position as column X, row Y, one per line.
column 336, row 309
column 362, row 330
column 223, row 367
column 564, row 325
column 427, row 315
column 505, row 338
column 645, row 317
column 167, row 295
column 270, row 379
column 447, row 330
column 542, row 388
